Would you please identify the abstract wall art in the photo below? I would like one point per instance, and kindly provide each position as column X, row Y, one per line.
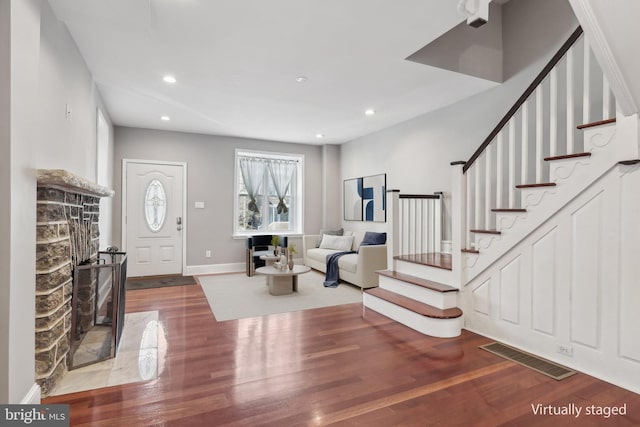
column 374, row 191
column 365, row 198
column 352, row 199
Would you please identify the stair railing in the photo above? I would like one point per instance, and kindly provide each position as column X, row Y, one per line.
column 570, row 90
column 419, row 223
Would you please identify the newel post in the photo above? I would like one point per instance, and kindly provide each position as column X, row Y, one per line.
column 393, row 222
column 458, row 210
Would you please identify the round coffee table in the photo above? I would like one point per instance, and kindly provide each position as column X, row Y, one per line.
column 282, row 282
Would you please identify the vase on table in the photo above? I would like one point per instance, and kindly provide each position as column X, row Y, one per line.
column 290, row 261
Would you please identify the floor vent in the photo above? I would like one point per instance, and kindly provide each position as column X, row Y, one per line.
column 550, row 369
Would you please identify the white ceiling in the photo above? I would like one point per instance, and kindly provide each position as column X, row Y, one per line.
column 236, row 62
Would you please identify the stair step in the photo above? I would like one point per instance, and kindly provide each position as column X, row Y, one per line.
column 486, row 231
column 567, row 156
column 470, row 251
column 418, row 281
column 413, row 305
column 599, row 123
column 544, row 184
column 508, row 210
column 433, row 259
column 629, row 162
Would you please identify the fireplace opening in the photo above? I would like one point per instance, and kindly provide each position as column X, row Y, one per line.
column 97, row 313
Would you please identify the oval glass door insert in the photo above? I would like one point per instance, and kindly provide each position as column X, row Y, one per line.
column 155, row 205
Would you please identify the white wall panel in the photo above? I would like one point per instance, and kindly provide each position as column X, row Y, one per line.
column 586, row 243
column 630, row 265
column 481, row 297
column 510, row 291
column 544, row 283
column 574, row 281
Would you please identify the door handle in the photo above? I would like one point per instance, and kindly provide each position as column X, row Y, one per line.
column 179, row 223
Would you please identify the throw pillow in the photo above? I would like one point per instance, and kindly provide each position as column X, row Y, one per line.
column 338, row 243
column 336, row 232
column 372, row 238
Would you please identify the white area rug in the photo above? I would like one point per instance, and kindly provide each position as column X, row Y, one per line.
column 236, row 296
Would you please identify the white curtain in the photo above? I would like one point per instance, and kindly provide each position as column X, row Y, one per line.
column 252, row 171
column 281, row 172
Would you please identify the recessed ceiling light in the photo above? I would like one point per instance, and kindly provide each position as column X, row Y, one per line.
column 319, row 135
column 165, row 118
column 169, row 79
column 370, row 112
column 301, row 79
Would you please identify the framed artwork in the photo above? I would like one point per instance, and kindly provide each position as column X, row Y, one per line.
column 365, row 198
column 352, row 199
column 374, row 192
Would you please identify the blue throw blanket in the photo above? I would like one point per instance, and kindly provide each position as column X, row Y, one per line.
column 331, row 278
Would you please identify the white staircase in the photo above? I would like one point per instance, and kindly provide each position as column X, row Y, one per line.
column 535, row 162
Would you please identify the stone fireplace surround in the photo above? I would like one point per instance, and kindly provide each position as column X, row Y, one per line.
column 66, row 235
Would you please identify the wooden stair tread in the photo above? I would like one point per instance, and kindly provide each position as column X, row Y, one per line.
column 598, row 123
column 470, row 251
column 567, row 156
column 486, row 231
column 413, row 305
column 508, row 210
column 433, row 259
column 418, row 281
column 544, row 184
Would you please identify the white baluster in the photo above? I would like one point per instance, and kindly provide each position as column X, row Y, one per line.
column 539, row 135
column 418, row 229
column 412, row 218
column 606, row 99
column 524, row 167
column 477, row 187
column 499, row 166
column 553, row 112
column 586, row 86
column 512, row 163
column 570, row 103
column 405, row 224
column 437, row 224
column 469, row 207
column 487, row 187
column 433, row 224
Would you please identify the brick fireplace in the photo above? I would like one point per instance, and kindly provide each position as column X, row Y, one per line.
column 66, row 236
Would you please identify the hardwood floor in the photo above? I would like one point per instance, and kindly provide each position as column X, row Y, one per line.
column 338, row 365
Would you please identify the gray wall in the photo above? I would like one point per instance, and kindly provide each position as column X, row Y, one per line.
column 47, row 71
column 5, row 194
column 331, row 217
column 210, row 164
column 416, row 154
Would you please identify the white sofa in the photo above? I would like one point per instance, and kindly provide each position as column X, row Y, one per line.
column 359, row 268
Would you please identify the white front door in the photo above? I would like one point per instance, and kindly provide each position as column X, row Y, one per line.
column 153, row 206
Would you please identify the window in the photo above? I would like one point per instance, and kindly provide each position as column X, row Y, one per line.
column 268, row 193
column 155, row 205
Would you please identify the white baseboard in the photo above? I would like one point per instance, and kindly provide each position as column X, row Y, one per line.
column 445, row 246
column 236, row 267
column 32, row 397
